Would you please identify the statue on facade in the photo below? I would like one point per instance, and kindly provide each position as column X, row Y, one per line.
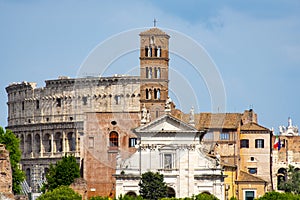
column 168, row 105
column 144, row 114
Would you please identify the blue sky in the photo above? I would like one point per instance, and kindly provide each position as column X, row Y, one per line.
column 254, row 44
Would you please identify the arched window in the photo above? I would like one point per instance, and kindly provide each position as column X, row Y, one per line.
column 155, row 94
column 29, row 143
column 47, row 142
column 147, row 94
column 158, row 52
column 146, row 51
column 155, row 72
column 147, row 72
column 58, row 142
column 37, row 144
column 71, row 141
column 113, row 139
column 158, row 73
column 171, row 192
column 150, row 72
column 158, row 93
column 28, row 176
column 22, row 143
column 281, row 177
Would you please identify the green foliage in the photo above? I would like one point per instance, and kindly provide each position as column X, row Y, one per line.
column 204, row 196
column 60, row 193
column 279, row 196
column 99, row 198
column 233, row 198
column 12, row 144
column 152, row 186
column 63, row 173
column 292, row 184
column 126, row 197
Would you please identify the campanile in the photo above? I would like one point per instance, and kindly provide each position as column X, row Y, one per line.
column 154, row 71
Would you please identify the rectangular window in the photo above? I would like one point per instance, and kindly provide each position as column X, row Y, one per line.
column 91, row 142
column 167, row 161
column 224, row 136
column 245, row 143
column 118, row 99
column 209, row 136
column 132, row 142
column 23, row 105
column 37, row 104
column 259, row 143
column 58, row 102
column 249, row 195
column 84, row 100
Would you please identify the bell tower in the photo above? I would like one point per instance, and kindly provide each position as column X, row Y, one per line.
column 154, row 71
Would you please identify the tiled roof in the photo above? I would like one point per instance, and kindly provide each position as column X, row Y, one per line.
column 246, row 177
column 153, row 31
column 214, row 120
column 252, row 126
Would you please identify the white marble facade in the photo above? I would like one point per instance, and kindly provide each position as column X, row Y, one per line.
column 172, row 148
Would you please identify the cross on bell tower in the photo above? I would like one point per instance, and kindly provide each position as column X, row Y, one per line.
column 154, row 70
column 154, row 22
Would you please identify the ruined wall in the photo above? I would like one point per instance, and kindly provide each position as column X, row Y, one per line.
column 5, row 173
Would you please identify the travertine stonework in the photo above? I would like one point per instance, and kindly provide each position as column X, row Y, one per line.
column 49, row 120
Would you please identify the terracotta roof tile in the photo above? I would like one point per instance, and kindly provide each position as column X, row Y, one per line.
column 153, row 31
column 214, row 120
column 252, row 126
column 246, row 177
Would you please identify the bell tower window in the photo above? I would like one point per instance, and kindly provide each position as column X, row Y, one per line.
column 146, row 51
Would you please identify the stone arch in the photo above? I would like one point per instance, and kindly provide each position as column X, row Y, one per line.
column 281, row 177
column 28, row 143
column 171, row 192
column 22, row 143
column 71, row 141
column 37, row 143
column 206, row 192
column 58, row 142
column 131, row 194
column 47, row 142
column 28, row 176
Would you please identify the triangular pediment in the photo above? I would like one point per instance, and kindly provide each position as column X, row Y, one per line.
column 166, row 123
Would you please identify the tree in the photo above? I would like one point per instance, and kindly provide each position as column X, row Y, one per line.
column 279, row 196
column 152, row 186
column 12, row 144
column 204, row 196
column 63, row 173
column 292, row 184
column 60, row 193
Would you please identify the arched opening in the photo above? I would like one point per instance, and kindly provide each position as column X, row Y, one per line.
column 29, row 143
column 58, row 142
column 113, row 139
column 131, row 194
column 146, row 51
column 158, row 94
column 206, row 192
column 47, row 142
column 22, row 143
column 158, row 73
column 150, row 72
column 147, row 94
column 28, row 177
column 155, row 93
column 281, row 177
column 71, row 141
column 171, row 192
column 37, row 141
